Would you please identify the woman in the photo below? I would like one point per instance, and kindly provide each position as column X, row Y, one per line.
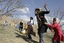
column 42, row 28
column 58, row 36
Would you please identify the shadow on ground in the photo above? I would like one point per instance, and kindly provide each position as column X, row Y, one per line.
column 24, row 38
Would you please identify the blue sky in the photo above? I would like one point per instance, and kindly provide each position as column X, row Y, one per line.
column 32, row 4
column 51, row 4
column 28, row 11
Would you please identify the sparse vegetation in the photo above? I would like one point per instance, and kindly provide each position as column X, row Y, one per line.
column 10, row 34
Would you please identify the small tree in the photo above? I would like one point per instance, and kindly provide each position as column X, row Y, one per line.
column 8, row 6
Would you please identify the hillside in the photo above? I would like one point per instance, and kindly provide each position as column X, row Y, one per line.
column 10, row 34
column 13, row 22
column 3, row 18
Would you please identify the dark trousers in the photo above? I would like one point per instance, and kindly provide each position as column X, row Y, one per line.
column 55, row 41
column 41, row 37
column 20, row 28
column 29, row 36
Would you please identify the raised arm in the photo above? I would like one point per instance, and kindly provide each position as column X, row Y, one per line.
column 47, row 11
column 45, row 6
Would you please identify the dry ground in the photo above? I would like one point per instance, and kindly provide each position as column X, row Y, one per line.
column 10, row 34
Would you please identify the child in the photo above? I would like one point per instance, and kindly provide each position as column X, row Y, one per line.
column 58, row 36
column 30, row 29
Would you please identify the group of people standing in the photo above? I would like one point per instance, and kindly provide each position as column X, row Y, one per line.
column 43, row 26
